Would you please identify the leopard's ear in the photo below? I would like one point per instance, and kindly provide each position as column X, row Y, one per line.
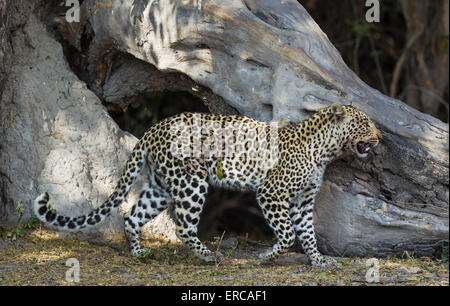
column 338, row 111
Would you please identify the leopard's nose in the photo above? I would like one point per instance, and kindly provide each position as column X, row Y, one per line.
column 377, row 133
column 380, row 137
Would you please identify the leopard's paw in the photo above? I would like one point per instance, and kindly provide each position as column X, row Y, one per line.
column 267, row 255
column 211, row 257
column 141, row 252
column 324, row 262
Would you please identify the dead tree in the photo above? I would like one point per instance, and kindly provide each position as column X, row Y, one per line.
column 265, row 59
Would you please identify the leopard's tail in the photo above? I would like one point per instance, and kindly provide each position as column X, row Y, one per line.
column 47, row 214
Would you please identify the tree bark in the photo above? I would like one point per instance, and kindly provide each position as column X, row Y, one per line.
column 265, row 59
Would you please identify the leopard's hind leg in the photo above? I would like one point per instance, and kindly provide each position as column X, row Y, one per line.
column 152, row 201
column 189, row 193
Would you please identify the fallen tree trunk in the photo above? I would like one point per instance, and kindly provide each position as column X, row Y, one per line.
column 269, row 60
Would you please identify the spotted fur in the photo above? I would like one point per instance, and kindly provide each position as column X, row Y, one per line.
column 285, row 186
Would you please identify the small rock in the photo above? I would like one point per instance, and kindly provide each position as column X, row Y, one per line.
column 414, row 270
column 229, row 243
column 292, row 258
column 117, row 270
column 130, row 276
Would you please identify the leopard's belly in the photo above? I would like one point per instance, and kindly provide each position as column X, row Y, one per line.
column 237, row 175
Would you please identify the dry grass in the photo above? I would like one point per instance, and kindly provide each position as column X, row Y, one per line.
column 39, row 258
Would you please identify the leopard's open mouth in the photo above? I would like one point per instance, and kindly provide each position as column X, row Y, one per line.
column 363, row 147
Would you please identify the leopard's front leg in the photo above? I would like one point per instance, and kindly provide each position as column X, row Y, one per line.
column 275, row 207
column 301, row 213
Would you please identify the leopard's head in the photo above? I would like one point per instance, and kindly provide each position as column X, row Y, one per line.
column 362, row 135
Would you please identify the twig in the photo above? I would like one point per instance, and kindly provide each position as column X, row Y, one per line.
column 355, row 54
column 431, row 93
column 401, row 61
column 377, row 63
column 253, row 241
column 217, row 251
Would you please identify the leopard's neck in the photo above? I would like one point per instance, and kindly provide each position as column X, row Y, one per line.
column 319, row 137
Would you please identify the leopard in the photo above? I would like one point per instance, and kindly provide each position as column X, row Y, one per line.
column 283, row 164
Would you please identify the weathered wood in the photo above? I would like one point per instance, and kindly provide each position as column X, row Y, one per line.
column 269, row 60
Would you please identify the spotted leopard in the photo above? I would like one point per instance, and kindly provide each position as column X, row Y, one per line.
column 284, row 164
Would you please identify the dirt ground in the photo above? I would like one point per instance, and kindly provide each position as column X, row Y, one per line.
column 40, row 256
